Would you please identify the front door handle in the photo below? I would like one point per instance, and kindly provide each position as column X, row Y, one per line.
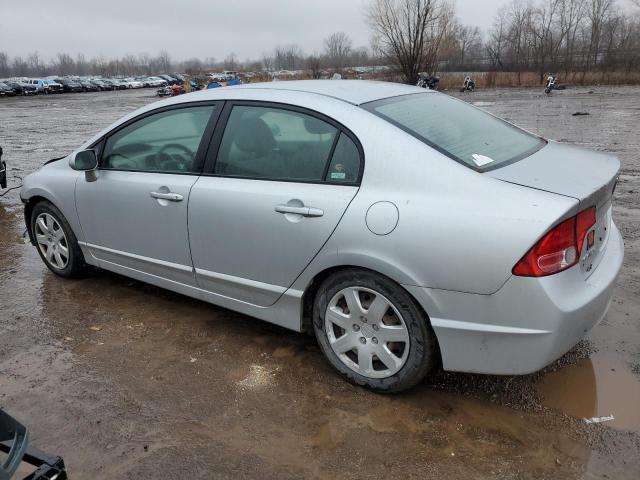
column 304, row 211
column 172, row 197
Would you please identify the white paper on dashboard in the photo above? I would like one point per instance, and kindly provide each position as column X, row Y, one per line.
column 481, row 160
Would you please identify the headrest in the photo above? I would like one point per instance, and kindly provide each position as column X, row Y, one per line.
column 255, row 137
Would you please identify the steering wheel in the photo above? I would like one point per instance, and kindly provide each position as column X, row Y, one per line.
column 183, row 160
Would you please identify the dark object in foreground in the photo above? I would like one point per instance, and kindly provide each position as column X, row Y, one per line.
column 3, row 172
column 577, row 114
column 14, row 441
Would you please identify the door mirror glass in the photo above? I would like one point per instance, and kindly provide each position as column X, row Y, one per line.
column 84, row 161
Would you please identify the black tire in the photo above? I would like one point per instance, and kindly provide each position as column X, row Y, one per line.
column 76, row 265
column 423, row 348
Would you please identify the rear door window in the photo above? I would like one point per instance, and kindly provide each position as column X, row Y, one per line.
column 273, row 143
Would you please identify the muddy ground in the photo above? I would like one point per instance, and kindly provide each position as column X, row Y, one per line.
column 125, row 380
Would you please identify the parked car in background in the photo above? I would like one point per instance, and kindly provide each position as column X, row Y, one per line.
column 6, row 90
column 405, row 228
column 133, row 83
column 111, row 84
column 88, row 86
column 22, row 88
column 154, row 82
column 70, row 86
column 51, row 86
column 39, row 84
column 101, row 84
column 170, row 80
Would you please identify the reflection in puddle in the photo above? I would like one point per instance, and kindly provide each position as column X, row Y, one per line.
column 594, row 387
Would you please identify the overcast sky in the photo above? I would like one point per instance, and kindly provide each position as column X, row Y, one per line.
column 191, row 28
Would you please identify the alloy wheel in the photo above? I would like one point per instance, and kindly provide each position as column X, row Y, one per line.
column 367, row 332
column 51, row 240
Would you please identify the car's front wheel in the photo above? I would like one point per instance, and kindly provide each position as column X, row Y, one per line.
column 373, row 332
column 55, row 241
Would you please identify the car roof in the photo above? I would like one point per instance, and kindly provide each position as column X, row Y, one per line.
column 355, row 92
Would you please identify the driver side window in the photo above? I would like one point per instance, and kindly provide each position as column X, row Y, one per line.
column 163, row 142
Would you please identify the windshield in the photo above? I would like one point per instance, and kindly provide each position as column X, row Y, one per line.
column 453, row 127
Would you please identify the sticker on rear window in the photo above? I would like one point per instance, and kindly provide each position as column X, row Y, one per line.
column 481, row 160
column 338, row 175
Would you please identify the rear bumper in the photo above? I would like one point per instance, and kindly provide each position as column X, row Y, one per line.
column 528, row 323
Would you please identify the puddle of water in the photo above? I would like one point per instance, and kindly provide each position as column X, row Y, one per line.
column 594, row 387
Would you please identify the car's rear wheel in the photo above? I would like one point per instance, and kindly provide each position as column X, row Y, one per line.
column 372, row 331
column 55, row 241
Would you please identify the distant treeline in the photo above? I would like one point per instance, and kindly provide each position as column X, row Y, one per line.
column 561, row 36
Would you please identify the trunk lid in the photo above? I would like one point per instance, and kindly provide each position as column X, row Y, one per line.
column 585, row 175
column 589, row 177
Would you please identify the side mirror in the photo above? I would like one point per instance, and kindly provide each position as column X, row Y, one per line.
column 84, row 161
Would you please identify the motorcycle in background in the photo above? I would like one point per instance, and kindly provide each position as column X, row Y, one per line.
column 468, row 85
column 551, row 83
column 426, row 80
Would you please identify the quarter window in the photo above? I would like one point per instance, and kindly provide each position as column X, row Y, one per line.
column 272, row 143
column 163, row 142
column 345, row 162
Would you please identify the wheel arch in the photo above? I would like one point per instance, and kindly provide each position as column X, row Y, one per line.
column 30, row 203
column 313, row 286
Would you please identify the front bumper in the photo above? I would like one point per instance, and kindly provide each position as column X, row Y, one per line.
column 528, row 323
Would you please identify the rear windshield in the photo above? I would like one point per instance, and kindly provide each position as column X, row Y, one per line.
column 455, row 128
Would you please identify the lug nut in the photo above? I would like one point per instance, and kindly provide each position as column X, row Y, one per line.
column 375, row 327
column 374, row 340
column 356, row 327
column 363, row 340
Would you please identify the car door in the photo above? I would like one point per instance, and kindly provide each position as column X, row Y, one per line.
column 277, row 181
column 134, row 214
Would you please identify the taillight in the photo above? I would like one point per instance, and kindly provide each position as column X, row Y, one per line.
column 559, row 249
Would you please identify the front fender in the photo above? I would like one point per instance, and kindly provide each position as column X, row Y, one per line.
column 54, row 183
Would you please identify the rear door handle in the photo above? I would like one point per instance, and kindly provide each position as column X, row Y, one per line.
column 304, row 211
column 172, row 197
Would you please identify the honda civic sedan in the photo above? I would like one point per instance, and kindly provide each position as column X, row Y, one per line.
column 408, row 230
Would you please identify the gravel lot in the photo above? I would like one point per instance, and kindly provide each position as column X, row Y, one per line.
column 125, row 380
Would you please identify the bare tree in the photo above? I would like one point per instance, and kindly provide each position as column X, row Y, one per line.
column 460, row 41
column 409, row 32
column 288, row 57
column 164, row 61
column 314, row 64
column 337, row 48
column 65, row 64
column 36, row 65
column 231, row 62
column 82, row 66
column 5, row 69
column 192, row 66
column 495, row 45
column 20, row 67
column 267, row 62
column 597, row 13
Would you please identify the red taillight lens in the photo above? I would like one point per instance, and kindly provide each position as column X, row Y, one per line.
column 559, row 249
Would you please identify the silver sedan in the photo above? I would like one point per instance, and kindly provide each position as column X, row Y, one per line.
column 405, row 228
